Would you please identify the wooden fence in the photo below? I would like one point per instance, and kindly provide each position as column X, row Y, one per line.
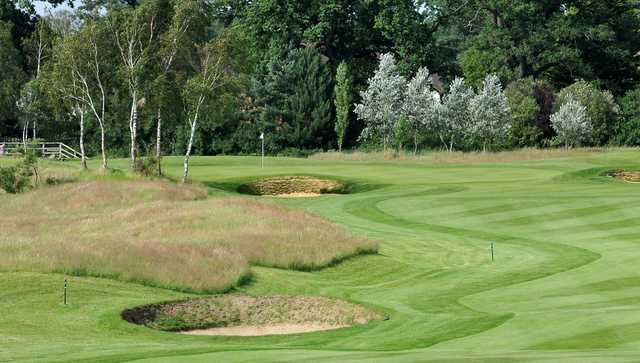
column 54, row 150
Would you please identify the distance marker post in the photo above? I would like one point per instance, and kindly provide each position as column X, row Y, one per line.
column 65, row 292
column 492, row 252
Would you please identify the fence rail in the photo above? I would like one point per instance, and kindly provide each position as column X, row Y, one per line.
column 56, row 150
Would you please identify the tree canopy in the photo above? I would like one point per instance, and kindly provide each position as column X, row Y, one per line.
column 305, row 65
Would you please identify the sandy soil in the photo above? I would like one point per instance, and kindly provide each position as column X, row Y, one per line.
column 253, row 331
column 297, row 195
column 628, row 176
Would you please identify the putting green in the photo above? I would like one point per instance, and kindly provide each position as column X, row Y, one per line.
column 564, row 285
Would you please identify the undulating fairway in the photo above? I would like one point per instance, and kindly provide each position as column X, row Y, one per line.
column 564, row 285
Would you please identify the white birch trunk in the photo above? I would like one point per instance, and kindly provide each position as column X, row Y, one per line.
column 82, row 153
column 25, row 135
column 194, row 124
column 187, row 156
column 103, row 147
column 158, row 141
column 133, row 126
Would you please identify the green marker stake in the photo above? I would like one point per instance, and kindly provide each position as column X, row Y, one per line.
column 491, row 252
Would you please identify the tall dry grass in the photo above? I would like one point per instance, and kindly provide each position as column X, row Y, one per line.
column 459, row 157
column 162, row 234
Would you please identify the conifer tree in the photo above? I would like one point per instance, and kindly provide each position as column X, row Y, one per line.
column 343, row 94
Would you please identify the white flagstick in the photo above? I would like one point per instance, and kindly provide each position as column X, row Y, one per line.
column 262, row 138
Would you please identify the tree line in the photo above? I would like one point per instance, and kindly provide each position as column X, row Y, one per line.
column 153, row 77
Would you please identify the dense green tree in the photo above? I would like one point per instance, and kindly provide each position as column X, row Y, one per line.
column 629, row 131
column 11, row 79
column 555, row 40
column 294, row 92
column 531, row 104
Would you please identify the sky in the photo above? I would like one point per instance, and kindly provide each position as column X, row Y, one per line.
column 42, row 7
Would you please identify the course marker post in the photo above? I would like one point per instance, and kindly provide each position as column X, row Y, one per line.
column 65, row 292
column 491, row 251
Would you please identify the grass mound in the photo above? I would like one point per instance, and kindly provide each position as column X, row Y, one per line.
column 162, row 234
column 239, row 310
column 293, row 185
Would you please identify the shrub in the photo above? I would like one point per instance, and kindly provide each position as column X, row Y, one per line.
column 18, row 178
column 601, row 109
column 572, row 124
column 147, row 166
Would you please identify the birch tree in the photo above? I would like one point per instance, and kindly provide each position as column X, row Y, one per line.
column 79, row 75
column 135, row 32
column 38, row 49
column 215, row 69
column 185, row 14
column 382, row 101
column 87, row 62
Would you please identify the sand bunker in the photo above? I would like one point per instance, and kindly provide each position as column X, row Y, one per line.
column 628, row 176
column 254, row 331
column 241, row 315
column 294, row 187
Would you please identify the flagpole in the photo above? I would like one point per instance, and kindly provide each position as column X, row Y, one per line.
column 262, row 138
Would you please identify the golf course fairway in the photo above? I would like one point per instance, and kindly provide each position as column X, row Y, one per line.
column 564, row 284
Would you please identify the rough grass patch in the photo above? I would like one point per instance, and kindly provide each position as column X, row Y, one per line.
column 461, row 157
column 165, row 235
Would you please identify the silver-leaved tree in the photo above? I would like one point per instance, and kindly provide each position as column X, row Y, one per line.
column 455, row 114
column 382, row 101
column 572, row 124
column 420, row 107
column 490, row 115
